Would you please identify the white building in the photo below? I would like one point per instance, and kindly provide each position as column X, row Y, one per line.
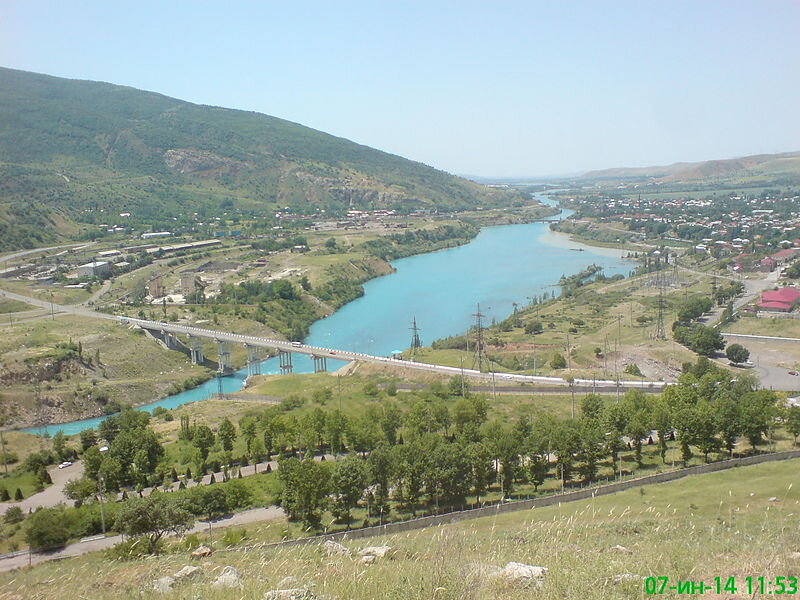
column 93, row 269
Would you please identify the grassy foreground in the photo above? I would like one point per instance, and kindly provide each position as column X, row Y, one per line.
column 741, row 522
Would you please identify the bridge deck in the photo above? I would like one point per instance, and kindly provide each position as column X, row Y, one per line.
column 348, row 356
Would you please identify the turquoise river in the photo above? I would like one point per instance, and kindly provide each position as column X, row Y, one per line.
column 503, row 265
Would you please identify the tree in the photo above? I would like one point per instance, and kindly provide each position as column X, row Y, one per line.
column 247, row 426
column 591, row 447
column 305, row 489
column 409, row 462
column 348, row 480
column 592, row 406
column 534, row 327
column 702, row 428
column 390, row 419
column 211, row 501
column 458, row 386
column 88, row 438
column 728, row 421
column 737, row 353
column 336, row 424
column 758, row 412
column 661, row 420
column 481, row 468
column 80, row 489
column 558, row 361
column 380, row 465
column 203, row 438
column 792, row 421
column 59, row 445
column 152, row 517
column 92, row 458
column 226, row 434
column 138, row 451
column 46, row 529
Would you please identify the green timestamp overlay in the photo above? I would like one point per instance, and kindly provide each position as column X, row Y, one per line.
column 719, row 585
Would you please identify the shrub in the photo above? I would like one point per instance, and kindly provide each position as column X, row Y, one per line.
column 132, row 549
column 46, row 529
column 633, row 369
column 234, row 537
column 13, row 515
column 558, row 361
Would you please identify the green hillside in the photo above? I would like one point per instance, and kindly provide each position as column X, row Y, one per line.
column 73, row 154
column 766, row 168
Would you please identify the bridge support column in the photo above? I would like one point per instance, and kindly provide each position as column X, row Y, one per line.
column 320, row 364
column 223, row 357
column 285, row 361
column 196, row 350
column 170, row 341
column 253, row 359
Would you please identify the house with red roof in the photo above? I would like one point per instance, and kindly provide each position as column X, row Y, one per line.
column 782, row 300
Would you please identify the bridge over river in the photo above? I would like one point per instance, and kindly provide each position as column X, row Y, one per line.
column 167, row 333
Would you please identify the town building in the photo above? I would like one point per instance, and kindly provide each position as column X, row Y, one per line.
column 782, row 300
column 94, row 269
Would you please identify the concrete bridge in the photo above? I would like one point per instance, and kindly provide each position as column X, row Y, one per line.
column 168, row 332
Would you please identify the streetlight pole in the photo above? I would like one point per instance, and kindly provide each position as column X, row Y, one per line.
column 101, row 490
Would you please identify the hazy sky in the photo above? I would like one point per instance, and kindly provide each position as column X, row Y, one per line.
column 484, row 88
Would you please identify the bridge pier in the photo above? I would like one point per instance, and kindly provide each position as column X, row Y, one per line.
column 320, row 364
column 170, row 339
column 253, row 359
column 196, row 350
column 224, row 364
column 285, row 361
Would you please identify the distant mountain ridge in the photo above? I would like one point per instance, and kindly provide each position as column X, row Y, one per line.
column 74, row 148
column 757, row 165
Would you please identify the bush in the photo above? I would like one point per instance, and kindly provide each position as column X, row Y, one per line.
column 14, row 515
column 192, row 542
column 558, row 361
column 234, row 537
column 737, row 353
column 9, row 457
column 132, row 549
column 633, row 369
column 46, row 529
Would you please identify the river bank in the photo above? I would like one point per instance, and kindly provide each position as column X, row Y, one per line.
column 501, row 267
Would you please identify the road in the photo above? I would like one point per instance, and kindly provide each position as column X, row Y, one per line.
column 15, row 255
column 255, row 515
column 52, row 495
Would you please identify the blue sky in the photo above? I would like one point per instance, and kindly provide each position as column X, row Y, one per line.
column 484, row 88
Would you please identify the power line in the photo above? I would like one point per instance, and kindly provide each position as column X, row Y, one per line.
column 480, row 353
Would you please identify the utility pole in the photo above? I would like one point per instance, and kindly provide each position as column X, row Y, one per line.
column 463, row 385
column 480, row 355
column 660, row 334
column 416, row 342
column 569, row 357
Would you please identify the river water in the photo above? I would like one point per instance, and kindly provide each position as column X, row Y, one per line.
column 501, row 266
